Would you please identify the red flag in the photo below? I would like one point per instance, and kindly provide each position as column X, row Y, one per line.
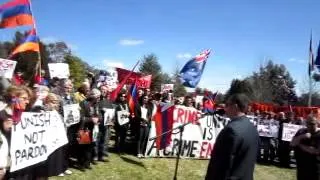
column 114, row 93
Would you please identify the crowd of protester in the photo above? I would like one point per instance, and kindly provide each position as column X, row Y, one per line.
column 89, row 148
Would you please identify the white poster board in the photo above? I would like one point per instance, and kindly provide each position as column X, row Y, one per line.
column 198, row 137
column 268, row 128
column 108, row 116
column 71, row 113
column 166, row 87
column 7, row 68
column 59, row 70
column 35, row 137
column 109, row 79
column 123, row 117
column 289, row 130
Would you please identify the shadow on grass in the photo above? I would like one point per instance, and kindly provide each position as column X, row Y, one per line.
column 131, row 161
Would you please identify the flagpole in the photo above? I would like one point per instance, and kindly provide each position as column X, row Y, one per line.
column 311, row 65
column 36, row 30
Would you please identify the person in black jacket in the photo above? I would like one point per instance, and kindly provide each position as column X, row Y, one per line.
column 235, row 151
column 306, row 144
column 143, row 114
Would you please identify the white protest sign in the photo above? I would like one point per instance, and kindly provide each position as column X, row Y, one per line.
column 59, row 70
column 71, row 114
column 109, row 78
column 198, row 137
column 123, row 117
column 7, row 68
column 35, row 137
column 289, row 130
column 108, row 115
column 167, row 87
column 56, row 133
column 199, row 99
column 268, row 128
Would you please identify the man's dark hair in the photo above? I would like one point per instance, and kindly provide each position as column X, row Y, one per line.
column 241, row 100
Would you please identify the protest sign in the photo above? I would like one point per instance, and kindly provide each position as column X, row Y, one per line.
column 268, row 128
column 198, row 137
column 108, row 116
column 59, row 70
column 166, row 87
column 7, row 68
column 71, row 113
column 35, row 137
column 199, row 99
column 289, row 130
column 109, row 78
column 123, row 117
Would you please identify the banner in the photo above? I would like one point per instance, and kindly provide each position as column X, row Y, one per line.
column 108, row 116
column 59, row 70
column 166, row 87
column 7, row 68
column 35, row 137
column 289, row 130
column 268, row 128
column 71, row 114
column 198, row 137
column 142, row 81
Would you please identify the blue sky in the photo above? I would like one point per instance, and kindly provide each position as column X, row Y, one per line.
column 241, row 34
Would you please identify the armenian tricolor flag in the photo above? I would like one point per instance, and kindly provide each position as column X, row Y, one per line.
column 209, row 103
column 164, row 122
column 30, row 43
column 133, row 96
column 16, row 13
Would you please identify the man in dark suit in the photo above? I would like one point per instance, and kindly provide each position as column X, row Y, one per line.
column 235, row 151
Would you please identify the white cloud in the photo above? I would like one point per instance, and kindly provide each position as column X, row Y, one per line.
column 184, row 56
column 297, row 60
column 113, row 63
column 131, row 42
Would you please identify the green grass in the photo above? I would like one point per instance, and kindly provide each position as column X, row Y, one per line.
column 130, row 167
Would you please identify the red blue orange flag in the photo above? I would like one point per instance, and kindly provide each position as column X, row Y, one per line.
column 30, row 43
column 209, row 103
column 164, row 122
column 16, row 13
column 133, row 96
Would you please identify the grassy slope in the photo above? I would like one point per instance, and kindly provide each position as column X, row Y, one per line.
column 130, row 167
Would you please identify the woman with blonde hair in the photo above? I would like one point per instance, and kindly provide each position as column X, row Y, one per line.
column 18, row 99
column 57, row 162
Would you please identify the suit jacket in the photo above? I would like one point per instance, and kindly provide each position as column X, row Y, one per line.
column 234, row 154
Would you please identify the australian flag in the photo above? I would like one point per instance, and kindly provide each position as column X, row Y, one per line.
column 191, row 72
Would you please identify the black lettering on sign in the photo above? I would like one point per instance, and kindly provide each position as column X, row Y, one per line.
column 34, row 137
column 175, row 147
column 29, row 153
column 37, row 119
column 204, row 133
column 209, row 121
column 154, row 145
column 186, row 146
column 210, row 134
column 193, row 148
